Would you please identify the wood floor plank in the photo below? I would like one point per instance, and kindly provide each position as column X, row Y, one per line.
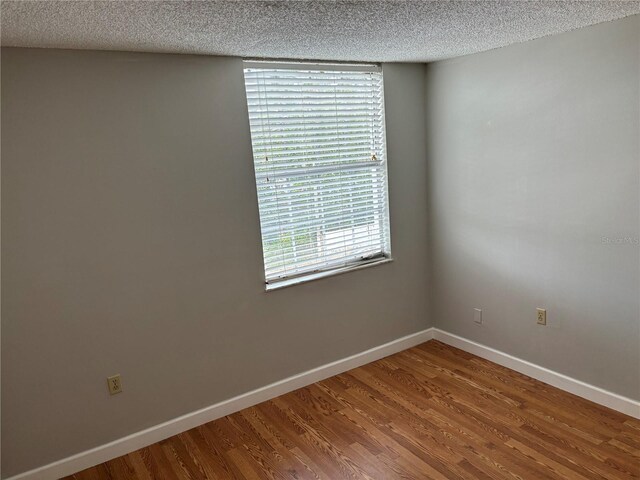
column 430, row 412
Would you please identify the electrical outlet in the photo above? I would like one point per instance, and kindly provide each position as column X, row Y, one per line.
column 115, row 384
column 542, row 316
column 477, row 316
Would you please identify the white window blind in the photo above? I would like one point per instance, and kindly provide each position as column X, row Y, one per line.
column 319, row 150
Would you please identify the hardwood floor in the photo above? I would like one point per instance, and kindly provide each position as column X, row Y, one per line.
column 429, row 412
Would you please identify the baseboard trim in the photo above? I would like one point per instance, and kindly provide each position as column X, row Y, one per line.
column 130, row 443
column 563, row 382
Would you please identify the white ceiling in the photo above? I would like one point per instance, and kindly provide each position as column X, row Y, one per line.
column 323, row 30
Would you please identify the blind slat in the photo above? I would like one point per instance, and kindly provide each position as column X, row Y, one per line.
column 306, row 202
column 363, row 241
column 310, row 190
column 319, row 150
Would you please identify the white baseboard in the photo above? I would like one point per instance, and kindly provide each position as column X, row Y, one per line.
column 563, row 382
column 130, row 443
column 122, row 446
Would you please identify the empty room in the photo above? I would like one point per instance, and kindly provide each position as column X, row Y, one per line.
column 320, row 239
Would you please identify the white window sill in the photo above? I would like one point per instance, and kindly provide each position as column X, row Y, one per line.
column 329, row 273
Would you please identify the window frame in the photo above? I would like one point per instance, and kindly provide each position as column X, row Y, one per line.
column 365, row 262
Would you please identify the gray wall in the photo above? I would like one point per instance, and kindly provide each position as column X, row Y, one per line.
column 533, row 159
column 131, row 245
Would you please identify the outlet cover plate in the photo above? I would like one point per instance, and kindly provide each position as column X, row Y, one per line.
column 115, row 384
column 542, row 316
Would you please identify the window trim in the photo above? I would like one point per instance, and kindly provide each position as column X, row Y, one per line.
column 311, row 277
column 379, row 259
column 323, row 66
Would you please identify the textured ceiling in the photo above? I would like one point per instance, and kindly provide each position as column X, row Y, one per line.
column 322, row 30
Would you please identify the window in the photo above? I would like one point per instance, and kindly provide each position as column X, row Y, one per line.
column 320, row 161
